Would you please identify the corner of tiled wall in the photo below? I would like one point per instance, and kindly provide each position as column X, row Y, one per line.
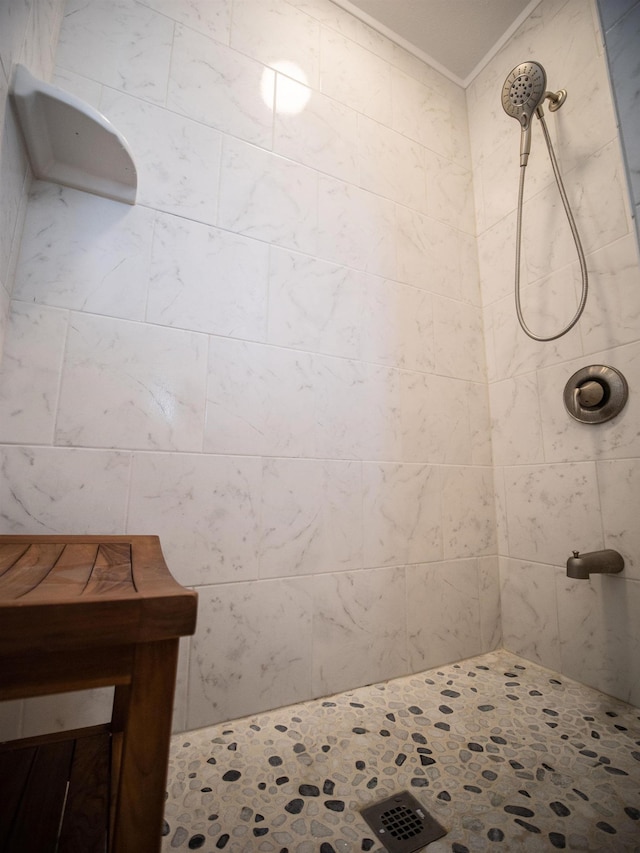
column 28, row 35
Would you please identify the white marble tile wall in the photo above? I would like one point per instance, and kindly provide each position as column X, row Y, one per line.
column 274, row 359
column 28, row 35
column 560, row 485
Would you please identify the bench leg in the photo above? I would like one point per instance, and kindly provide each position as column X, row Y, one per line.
column 143, row 710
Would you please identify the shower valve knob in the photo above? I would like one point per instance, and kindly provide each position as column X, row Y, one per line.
column 590, row 394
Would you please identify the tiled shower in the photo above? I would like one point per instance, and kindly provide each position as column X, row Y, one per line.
column 296, row 358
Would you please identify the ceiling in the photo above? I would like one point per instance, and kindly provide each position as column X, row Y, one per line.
column 456, row 36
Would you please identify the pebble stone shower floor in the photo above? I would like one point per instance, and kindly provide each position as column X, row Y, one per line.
column 506, row 755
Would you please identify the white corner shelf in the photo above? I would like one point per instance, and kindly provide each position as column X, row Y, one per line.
column 71, row 143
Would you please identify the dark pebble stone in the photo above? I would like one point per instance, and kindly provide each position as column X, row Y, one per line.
column 459, row 848
column 445, row 709
column 232, row 747
column 604, row 760
column 231, row 776
column 554, row 681
column 213, row 816
column 282, row 780
column 294, row 806
column 326, row 747
column 510, row 675
column 498, row 739
column 414, row 709
column 275, row 760
column 595, row 735
column 211, row 761
column 206, row 790
column 360, row 765
column 329, row 705
column 222, row 842
column 513, row 697
column 385, row 733
column 358, row 730
column 426, row 761
column 309, row 791
column 296, row 719
column 356, row 704
column 391, row 717
column 260, row 830
column 540, row 774
column 328, row 787
column 589, row 753
column 473, row 788
column 558, row 840
column 367, row 844
column 524, row 793
column 560, row 809
column 281, row 728
column 580, row 794
column 262, row 786
column 259, row 818
column 535, row 693
column 444, row 726
column 495, row 834
column 528, row 826
column 615, row 771
column 550, row 712
column 451, row 694
column 187, row 744
column 284, row 850
column 519, row 810
column 298, row 748
column 486, row 707
column 490, row 775
column 372, row 783
column 416, row 737
column 622, row 729
column 516, row 764
column 475, row 747
column 634, row 814
column 422, row 750
column 444, row 795
column 325, row 847
column 419, row 782
column 254, row 727
column 227, row 732
column 552, row 725
column 549, row 767
column 611, row 714
column 400, row 759
column 334, row 805
column 192, row 775
column 606, row 827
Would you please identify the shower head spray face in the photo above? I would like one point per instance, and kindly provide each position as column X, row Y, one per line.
column 522, row 93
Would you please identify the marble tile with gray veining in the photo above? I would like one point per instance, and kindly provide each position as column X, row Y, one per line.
column 205, row 279
column 207, row 510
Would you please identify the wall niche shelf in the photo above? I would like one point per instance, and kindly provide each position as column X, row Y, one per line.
column 71, row 143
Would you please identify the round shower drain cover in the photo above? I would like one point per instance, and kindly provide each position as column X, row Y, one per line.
column 402, row 824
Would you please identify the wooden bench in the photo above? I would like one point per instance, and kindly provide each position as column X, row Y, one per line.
column 79, row 612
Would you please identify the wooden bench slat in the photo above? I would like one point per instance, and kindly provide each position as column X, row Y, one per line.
column 38, row 815
column 27, row 572
column 86, row 815
column 111, row 575
column 15, row 767
column 69, row 576
column 10, row 554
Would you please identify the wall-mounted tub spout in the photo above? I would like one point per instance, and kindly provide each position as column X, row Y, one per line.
column 607, row 562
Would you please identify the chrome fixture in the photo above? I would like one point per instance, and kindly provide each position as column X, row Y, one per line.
column 595, row 394
column 523, row 94
column 607, row 562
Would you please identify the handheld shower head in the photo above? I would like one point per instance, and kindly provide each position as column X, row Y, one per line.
column 523, row 92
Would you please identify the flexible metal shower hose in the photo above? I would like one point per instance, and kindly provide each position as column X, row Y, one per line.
column 576, row 238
